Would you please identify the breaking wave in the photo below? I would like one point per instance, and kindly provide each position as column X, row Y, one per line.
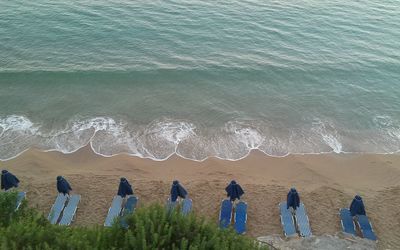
column 165, row 137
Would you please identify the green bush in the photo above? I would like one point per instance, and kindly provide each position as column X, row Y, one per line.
column 7, row 208
column 149, row 228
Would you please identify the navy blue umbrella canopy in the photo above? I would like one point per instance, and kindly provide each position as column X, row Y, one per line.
column 357, row 206
column 8, row 180
column 177, row 191
column 234, row 191
column 293, row 199
column 124, row 188
column 63, row 185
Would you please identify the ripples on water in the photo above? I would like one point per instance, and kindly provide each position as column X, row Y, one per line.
column 200, row 78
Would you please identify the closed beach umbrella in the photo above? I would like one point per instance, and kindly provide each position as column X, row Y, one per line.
column 357, row 206
column 124, row 188
column 234, row 191
column 177, row 191
column 8, row 180
column 293, row 199
column 63, row 185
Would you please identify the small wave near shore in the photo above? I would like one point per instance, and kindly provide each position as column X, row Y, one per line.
column 165, row 137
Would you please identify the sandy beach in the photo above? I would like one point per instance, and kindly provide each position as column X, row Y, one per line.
column 325, row 183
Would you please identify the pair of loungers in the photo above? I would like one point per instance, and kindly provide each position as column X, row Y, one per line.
column 64, row 209
column 118, row 208
column 240, row 215
column 186, row 205
column 348, row 225
column 299, row 220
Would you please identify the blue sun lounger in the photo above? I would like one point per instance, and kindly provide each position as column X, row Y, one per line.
column 186, row 206
column 130, row 205
column 20, row 197
column 303, row 224
column 366, row 227
column 70, row 210
column 240, row 217
column 225, row 214
column 57, row 208
column 347, row 221
column 287, row 220
column 171, row 204
column 114, row 211
column 129, row 208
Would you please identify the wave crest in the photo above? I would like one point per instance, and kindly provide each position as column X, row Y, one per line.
column 165, row 137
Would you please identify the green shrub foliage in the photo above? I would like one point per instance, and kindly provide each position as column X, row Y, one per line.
column 148, row 228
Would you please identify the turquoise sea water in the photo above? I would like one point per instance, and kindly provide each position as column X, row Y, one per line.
column 200, row 78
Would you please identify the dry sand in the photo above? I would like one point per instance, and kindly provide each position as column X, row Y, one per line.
column 325, row 182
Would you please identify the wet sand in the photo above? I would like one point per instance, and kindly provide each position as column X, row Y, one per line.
column 325, row 183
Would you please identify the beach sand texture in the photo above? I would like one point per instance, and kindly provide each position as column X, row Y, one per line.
column 325, row 183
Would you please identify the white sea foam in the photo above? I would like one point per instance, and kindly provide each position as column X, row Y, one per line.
column 248, row 136
column 333, row 143
column 234, row 141
column 328, row 133
column 163, row 138
column 274, row 146
column 172, row 131
column 79, row 133
column 160, row 139
column 17, row 135
column 17, row 123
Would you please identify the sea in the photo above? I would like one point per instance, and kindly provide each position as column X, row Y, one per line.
column 200, row 79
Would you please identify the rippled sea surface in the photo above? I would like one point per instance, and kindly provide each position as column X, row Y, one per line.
column 200, row 78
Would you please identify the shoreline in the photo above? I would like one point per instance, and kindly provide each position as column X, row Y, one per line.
column 177, row 155
column 164, row 138
column 326, row 182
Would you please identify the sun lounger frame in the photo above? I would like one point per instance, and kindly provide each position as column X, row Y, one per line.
column 57, row 208
column 344, row 214
column 126, row 210
column 186, row 206
column 228, row 222
column 117, row 201
column 302, row 221
column 289, row 230
column 366, row 227
column 69, row 212
column 240, row 228
column 171, row 204
column 20, row 197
